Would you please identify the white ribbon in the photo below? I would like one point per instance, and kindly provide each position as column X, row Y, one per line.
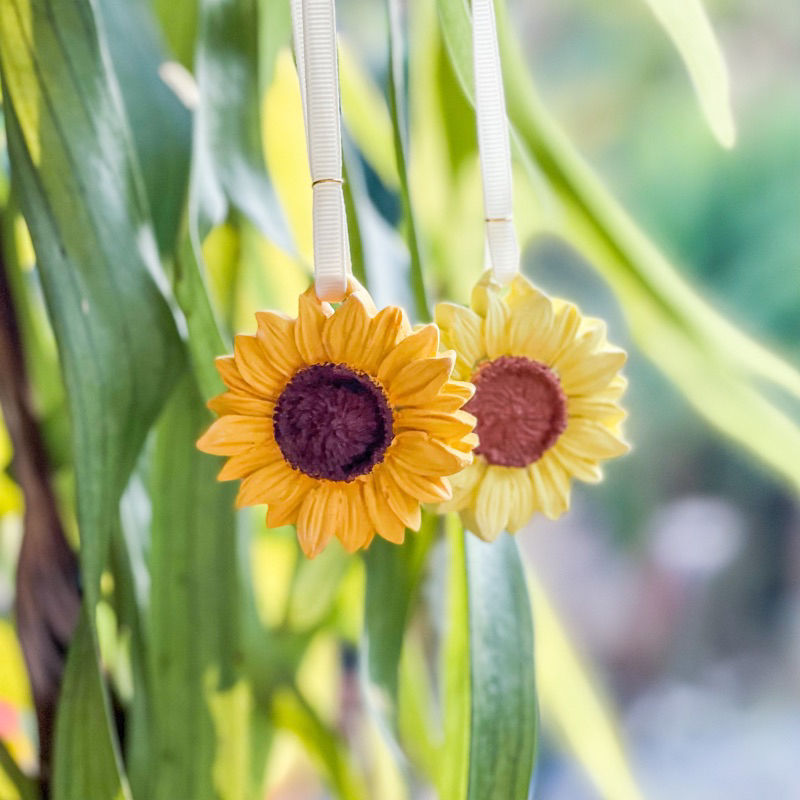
column 314, row 28
column 493, row 144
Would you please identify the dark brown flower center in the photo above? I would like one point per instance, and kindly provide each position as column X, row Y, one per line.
column 332, row 422
column 521, row 410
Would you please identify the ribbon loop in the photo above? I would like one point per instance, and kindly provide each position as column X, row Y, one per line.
column 314, row 29
column 493, row 144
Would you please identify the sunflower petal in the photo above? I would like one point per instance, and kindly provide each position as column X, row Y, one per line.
column 250, row 460
column 548, row 495
column 462, row 329
column 311, row 317
column 443, row 425
column 230, row 374
column 581, row 468
column 522, row 504
column 356, row 527
column 530, row 324
column 405, row 507
column 252, row 364
column 492, row 503
column 420, row 453
column 269, row 483
column 591, row 440
column 495, row 329
column 424, row 488
column 232, row 434
column 463, row 486
column 243, row 404
column 421, row 344
column 276, row 334
column 420, row 381
column 346, row 332
column 385, row 329
column 386, row 522
column 320, row 515
column 592, row 373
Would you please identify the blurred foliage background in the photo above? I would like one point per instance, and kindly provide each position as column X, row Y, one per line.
column 155, row 151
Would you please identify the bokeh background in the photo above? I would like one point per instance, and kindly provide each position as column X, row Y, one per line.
column 678, row 579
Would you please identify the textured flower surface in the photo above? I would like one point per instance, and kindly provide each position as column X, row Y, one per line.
column 547, row 386
column 342, row 421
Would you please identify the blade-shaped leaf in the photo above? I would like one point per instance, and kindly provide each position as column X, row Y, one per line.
column 161, row 124
column 87, row 759
column 83, row 199
column 687, row 24
column 491, row 719
column 397, row 105
column 194, row 602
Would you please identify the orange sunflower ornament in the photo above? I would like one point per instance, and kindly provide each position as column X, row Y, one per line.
column 341, row 421
column 547, row 387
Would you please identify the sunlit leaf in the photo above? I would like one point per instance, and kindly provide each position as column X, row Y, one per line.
column 490, row 697
column 194, row 589
column 686, row 23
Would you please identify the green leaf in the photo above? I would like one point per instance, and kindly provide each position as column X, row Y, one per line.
column 710, row 360
column 490, row 697
column 161, row 124
column 84, row 201
column 194, row 606
column 17, row 780
column 397, row 106
column 687, row 24
column 392, row 572
column 228, row 169
column 87, row 760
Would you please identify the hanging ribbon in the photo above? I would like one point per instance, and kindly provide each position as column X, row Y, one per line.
column 493, row 144
column 314, row 30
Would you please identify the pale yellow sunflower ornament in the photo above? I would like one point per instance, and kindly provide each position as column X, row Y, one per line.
column 547, row 386
column 342, row 421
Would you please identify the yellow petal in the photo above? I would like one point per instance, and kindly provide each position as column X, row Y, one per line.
column 252, row 363
column 266, row 484
column 405, row 507
column 346, row 332
column 386, row 522
column 580, row 348
column 445, row 426
column 492, row 503
column 548, row 493
column 420, row 381
column 520, row 291
column 311, row 317
column 229, row 372
column 285, row 510
column 424, row 455
column 356, row 527
column 530, row 324
column 250, row 460
column 495, row 328
column 424, row 488
column 460, row 388
column 590, row 440
column 243, row 404
column 385, row 330
column 462, row 329
column 420, row 344
column 466, row 444
column 320, row 515
column 606, row 411
column 276, row 334
column 232, row 434
column 463, row 486
column 522, row 505
column 565, row 329
column 581, row 468
column 593, row 373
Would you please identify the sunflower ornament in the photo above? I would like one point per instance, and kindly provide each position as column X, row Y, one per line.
column 341, row 421
column 547, row 386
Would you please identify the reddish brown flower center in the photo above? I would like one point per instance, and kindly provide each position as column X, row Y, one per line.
column 333, row 422
column 521, row 410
